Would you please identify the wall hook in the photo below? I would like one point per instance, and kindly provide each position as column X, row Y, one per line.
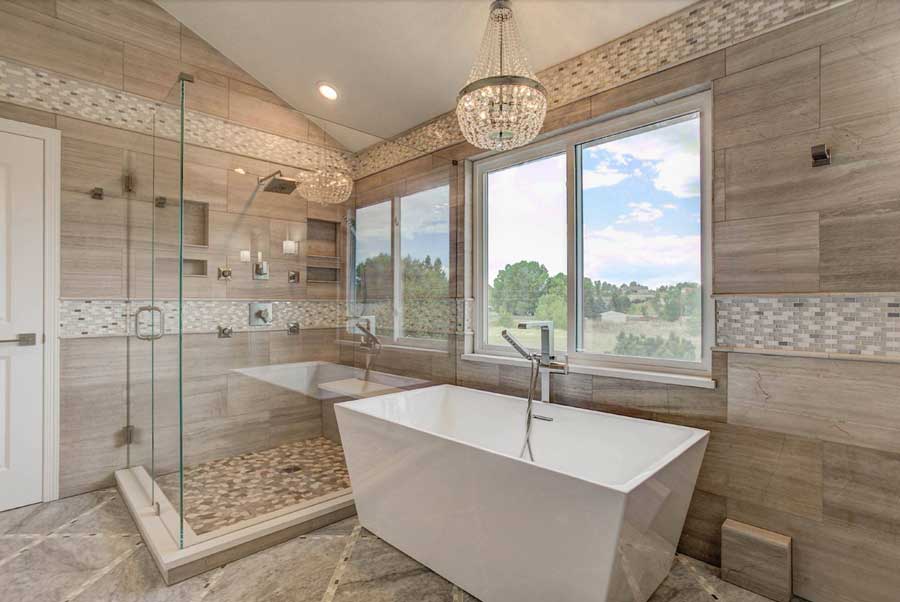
column 821, row 155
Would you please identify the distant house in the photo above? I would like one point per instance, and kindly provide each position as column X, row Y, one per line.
column 613, row 316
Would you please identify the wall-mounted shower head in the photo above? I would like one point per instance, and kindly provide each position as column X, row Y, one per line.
column 274, row 182
column 277, row 183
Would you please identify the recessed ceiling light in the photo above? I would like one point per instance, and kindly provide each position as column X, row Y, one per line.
column 328, row 91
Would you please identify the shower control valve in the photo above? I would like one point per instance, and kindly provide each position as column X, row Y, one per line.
column 260, row 314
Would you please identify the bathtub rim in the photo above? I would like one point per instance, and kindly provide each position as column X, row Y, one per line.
column 697, row 436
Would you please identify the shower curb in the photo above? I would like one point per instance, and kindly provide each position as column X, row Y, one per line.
column 177, row 564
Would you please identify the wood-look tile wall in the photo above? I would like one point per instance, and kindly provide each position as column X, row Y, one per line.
column 106, row 250
column 807, row 447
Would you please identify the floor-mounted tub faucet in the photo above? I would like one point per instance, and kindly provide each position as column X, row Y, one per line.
column 543, row 364
column 370, row 344
column 548, row 362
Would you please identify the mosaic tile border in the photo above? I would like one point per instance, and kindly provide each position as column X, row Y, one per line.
column 100, row 318
column 48, row 91
column 866, row 325
column 108, row 317
column 699, row 29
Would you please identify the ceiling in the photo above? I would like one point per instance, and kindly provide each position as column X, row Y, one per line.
column 395, row 63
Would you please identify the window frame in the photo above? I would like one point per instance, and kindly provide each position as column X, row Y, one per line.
column 397, row 305
column 570, row 143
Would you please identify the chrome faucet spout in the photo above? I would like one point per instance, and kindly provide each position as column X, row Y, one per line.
column 370, row 344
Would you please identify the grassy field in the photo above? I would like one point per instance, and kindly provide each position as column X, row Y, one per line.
column 600, row 337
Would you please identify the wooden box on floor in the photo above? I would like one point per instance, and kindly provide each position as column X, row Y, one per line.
column 757, row 560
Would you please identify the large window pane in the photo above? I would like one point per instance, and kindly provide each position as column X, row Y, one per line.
column 526, row 249
column 425, row 263
column 641, row 242
column 373, row 271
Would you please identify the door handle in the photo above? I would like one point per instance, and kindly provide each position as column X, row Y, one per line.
column 137, row 323
column 25, row 339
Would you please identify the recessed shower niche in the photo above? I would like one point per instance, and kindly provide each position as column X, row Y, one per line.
column 196, row 224
column 195, row 232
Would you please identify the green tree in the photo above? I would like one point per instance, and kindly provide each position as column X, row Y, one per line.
column 373, row 278
column 668, row 303
column 638, row 345
column 518, row 287
column 594, row 302
column 619, row 301
column 424, row 278
column 553, row 304
column 678, row 301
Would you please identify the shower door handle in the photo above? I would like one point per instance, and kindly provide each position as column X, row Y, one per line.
column 137, row 323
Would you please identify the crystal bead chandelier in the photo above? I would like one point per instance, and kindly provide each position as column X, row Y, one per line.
column 502, row 105
column 329, row 185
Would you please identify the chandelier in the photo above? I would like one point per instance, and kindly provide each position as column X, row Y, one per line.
column 502, row 105
column 329, row 185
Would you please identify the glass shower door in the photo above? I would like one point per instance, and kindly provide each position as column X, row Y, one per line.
column 155, row 220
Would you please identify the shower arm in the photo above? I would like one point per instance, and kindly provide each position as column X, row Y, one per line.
column 277, row 173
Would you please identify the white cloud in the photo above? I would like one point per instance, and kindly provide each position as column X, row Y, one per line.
column 426, row 212
column 670, row 258
column 601, row 176
column 679, row 175
column 527, row 215
column 670, row 152
column 670, row 206
column 642, row 213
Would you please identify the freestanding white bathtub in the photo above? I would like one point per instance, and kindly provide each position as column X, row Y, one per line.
column 435, row 472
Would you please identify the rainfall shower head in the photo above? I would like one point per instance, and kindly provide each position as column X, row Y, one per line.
column 278, row 183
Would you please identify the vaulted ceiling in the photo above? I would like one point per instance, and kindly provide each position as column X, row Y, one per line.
column 395, row 63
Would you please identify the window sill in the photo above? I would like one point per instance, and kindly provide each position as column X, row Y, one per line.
column 398, row 347
column 684, row 380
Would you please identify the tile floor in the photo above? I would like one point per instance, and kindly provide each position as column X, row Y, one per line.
column 225, row 492
column 87, row 549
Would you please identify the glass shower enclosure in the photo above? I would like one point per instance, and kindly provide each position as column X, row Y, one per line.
column 250, row 314
column 155, row 342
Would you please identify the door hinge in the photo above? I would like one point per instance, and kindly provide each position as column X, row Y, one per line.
column 128, row 434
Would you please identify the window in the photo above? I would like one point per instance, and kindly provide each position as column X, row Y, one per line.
column 402, row 266
column 424, row 264
column 526, row 249
column 373, row 269
column 602, row 232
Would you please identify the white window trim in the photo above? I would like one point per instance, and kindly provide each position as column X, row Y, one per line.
column 397, row 308
column 594, row 363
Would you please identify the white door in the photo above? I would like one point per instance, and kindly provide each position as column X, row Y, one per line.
column 21, row 317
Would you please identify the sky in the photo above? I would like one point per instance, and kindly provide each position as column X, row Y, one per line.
column 641, row 209
column 424, row 227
